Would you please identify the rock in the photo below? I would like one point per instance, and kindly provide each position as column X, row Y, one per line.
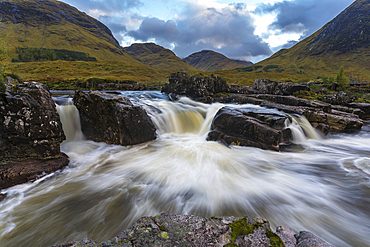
column 308, row 239
column 113, row 119
column 339, row 98
column 30, row 134
column 103, row 84
column 265, row 86
column 365, row 107
column 192, row 86
column 30, row 126
column 247, row 127
column 235, row 88
column 188, row 230
column 24, row 171
column 321, row 116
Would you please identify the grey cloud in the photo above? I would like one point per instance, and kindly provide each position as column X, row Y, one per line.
column 155, row 28
column 229, row 31
column 305, row 16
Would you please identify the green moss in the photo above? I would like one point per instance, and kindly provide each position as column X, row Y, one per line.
column 275, row 240
column 242, row 227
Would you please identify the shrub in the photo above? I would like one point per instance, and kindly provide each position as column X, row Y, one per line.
column 3, row 59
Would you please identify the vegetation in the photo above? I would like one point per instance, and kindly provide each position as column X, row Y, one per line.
column 43, row 54
column 342, row 80
column 3, row 59
column 55, row 25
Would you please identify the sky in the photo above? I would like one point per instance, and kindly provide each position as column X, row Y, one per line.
column 249, row 30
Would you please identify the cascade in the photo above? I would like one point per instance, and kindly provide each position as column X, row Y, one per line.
column 70, row 119
column 302, row 129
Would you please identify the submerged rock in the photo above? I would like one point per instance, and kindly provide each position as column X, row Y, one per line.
column 245, row 127
column 30, row 129
column 113, row 119
column 188, row 230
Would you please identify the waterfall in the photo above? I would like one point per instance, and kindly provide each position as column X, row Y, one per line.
column 302, row 129
column 70, row 119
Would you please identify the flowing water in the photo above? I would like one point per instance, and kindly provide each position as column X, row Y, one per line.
column 324, row 188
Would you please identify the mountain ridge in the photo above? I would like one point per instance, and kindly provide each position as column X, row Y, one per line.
column 157, row 56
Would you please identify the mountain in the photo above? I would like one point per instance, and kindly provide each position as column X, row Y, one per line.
column 158, row 57
column 211, row 61
column 344, row 41
column 243, row 62
column 55, row 25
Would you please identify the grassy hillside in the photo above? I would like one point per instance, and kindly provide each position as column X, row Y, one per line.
column 211, row 61
column 56, row 25
column 59, row 74
column 158, row 57
column 342, row 42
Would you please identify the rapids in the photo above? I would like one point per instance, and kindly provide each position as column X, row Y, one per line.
column 324, row 189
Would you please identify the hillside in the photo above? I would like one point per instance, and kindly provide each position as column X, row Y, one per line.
column 55, row 25
column 211, row 61
column 344, row 41
column 158, row 57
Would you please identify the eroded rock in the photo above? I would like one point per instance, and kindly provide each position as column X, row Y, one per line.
column 30, row 134
column 249, row 127
column 113, row 119
column 266, row 86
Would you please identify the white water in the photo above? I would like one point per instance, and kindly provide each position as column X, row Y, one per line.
column 324, row 189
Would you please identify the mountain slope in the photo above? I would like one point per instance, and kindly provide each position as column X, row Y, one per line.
column 344, row 41
column 211, row 61
column 158, row 57
column 55, row 25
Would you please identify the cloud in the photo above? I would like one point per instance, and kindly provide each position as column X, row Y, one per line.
column 105, row 5
column 228, row 29
column 302, row 16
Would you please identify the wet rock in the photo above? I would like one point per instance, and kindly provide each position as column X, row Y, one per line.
column 265, row 86
column 113, row 119
column 30, row 126
column 30, row 134
column 287, row 235
column 308, row 239
column 24, row 171
column 192, row 86
column 248, row 127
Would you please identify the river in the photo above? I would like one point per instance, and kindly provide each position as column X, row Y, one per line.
column 324, row 188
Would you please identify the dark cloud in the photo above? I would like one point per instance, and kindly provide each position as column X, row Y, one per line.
column 155, row 28
column 302, row 16
column 229, row 31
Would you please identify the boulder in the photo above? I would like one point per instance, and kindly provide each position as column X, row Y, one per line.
column 192, row 86
column 113, row 119
column 247, row 127
column 265, row 86
column 235, row 88
column 365, row 107
column 188, row 230
column 30, row 134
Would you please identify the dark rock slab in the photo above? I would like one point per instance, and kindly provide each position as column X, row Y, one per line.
column 192, row 86
column 30, row 126
column 365, row 107
column 24, row 171
column 246, row 127
column 113, row 119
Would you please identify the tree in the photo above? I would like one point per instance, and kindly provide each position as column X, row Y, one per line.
column 341, row 79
